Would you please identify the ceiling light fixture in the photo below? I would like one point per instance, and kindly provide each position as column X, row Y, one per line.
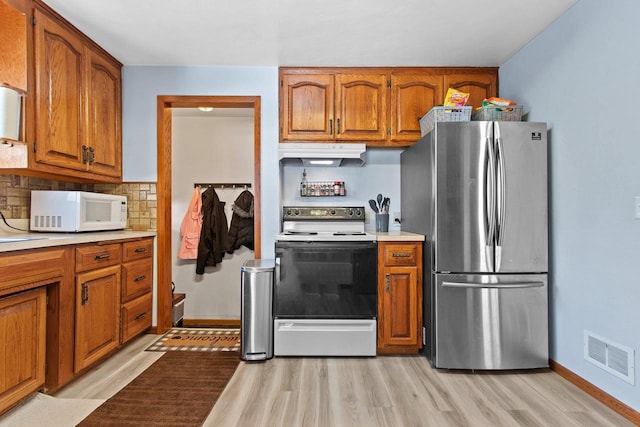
column 205, row 108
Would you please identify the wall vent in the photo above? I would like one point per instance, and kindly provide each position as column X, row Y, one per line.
column 613, row 358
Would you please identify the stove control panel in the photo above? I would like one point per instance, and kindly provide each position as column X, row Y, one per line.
column 323, row 213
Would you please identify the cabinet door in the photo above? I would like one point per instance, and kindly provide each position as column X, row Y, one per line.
column 60, row 83
column 399, row 297
column 97, row 315
column 412, row 96
column 22, row 357
column 361, row 107
column 478, row 85
column 13, row 49
column 400, row 307
column 104, row 100
column 307, row 107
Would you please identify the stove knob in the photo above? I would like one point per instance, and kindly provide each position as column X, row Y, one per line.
column 333, row 212
column 288, row 212
column 296, row 212
column 358, row 213
column 349, row 212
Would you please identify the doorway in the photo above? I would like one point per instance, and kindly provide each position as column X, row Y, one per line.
column 165, row 104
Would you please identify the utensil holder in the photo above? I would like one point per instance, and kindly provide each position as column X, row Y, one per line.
column 382, row 222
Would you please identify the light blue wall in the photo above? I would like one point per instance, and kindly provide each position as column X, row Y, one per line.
column 581, row 76
column 140, row 89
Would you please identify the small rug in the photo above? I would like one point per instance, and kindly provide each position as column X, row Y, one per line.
column 178, row 390
column 198, row 339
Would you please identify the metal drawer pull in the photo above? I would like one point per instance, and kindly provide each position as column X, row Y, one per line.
column 140, row 250
column 401, row 255
column 141, row 316
column 102, row 256
column 387, row 283
column 139, row 278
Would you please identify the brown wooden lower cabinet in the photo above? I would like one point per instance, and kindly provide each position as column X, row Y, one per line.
column 61, row 307
column 97, row 315
column 399, row 297
column 22, row 354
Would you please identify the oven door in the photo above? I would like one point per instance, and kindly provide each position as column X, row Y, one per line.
column 326, row 280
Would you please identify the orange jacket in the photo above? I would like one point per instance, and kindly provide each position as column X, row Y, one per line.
column 191, row 227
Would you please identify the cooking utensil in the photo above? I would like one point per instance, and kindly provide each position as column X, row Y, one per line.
column 385, row 205
column 379, row 201
column 373, row 205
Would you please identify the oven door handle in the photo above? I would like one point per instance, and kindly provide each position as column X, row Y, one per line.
column 277, row 272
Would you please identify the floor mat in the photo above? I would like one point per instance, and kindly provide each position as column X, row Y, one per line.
column 198, row 339
column 178, row 390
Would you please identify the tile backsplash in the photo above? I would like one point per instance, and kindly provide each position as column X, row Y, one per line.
column 15, row 196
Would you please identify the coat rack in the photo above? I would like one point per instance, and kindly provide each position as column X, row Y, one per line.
column 223, row 185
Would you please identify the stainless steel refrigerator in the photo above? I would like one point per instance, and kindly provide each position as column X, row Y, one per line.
column 478, row 192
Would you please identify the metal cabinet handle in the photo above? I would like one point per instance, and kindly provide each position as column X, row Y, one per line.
column 141, row 316
column 330, row 126
column 387, row 280
column 84, row 294
column 102, row 256
column 140, row 250
column 400, row 255
column 139, row 278
column 338, row 127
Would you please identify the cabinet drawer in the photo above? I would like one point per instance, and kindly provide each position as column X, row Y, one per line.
column 136, row 316
column 22, row 270
column 97, row 256
column 137, row 278
column 136, row 250
column 400, row 254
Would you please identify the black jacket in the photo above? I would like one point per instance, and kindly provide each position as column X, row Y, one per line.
column 241, row 229
column 214, row 235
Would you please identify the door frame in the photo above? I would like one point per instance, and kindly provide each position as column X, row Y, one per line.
column 165, row 104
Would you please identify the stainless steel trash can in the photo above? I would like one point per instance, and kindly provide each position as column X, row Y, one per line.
column 256, row 313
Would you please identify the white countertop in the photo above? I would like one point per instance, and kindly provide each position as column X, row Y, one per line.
column 397, row 236
column 45, row 240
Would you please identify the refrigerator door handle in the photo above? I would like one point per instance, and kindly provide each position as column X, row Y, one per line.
column 490, row 201
column 501, row 201
column 503, row 285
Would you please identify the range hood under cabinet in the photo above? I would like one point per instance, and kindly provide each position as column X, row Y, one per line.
column 322, row 154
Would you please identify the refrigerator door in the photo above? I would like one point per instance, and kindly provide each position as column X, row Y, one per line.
column 464, row 197
column 491, row 321
column 521, row 228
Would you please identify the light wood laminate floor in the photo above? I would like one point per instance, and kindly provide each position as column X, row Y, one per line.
column 384, row 391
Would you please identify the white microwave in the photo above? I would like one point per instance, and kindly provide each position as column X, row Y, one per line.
column 75, row 211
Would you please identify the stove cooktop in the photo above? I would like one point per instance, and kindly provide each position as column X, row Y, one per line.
column 325, row 237
column 323, row 223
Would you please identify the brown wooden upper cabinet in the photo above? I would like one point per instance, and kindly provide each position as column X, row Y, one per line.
column 13, row 48
column 478, row 85
column 333, row 107
column 412, row 96
column 77, row 102
column 378, row 106
column 73, row 106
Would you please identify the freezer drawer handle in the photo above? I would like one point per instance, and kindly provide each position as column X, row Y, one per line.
column 503, row 285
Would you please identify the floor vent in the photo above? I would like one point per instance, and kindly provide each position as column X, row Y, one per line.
column 613, row 358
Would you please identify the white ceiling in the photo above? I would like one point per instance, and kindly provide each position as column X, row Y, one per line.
column 312, row 32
